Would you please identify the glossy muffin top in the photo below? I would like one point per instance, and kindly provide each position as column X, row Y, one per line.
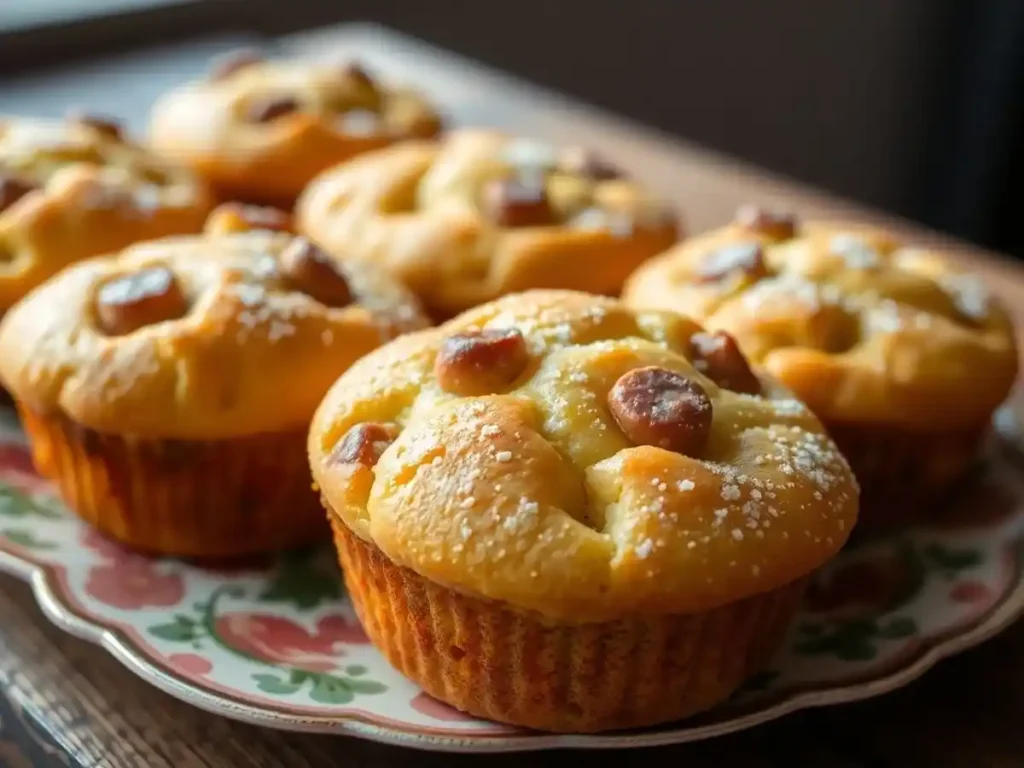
column 202, row 337
column 75, row 188
column 863, row 328
column 259, row 130
column 479, row 214
column 564, row 454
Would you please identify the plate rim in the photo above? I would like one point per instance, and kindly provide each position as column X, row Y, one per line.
column 48, row 590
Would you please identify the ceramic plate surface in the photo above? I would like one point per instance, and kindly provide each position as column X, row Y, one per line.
column 276, row 642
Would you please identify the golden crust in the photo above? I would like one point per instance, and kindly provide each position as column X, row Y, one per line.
column 251, row 355
column 94, row 193
column 535, row 497
column 862, row 328
column 416, row 209
column 204, row 124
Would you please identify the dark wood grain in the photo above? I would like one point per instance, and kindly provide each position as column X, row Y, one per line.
column 69, row 703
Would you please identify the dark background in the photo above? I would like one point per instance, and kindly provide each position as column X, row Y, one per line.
column 912, row 106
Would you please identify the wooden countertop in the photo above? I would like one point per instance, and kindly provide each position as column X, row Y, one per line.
column 65, row 702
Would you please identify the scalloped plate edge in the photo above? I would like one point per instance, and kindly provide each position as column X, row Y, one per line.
column 43, row 580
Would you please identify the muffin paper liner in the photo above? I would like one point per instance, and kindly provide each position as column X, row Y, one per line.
column 903, row 475
column 204, row 499
column 502, row 664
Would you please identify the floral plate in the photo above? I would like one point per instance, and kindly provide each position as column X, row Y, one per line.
column 276, row 643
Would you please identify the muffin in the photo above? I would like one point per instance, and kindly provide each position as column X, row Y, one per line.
column 555, row 512
column 78, row 188
column 168, row 389
column 903, row 358
column 259, row 130
column 476, row 215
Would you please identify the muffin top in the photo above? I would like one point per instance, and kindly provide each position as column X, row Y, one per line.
column 202, row 337
column 262, row 128
column 864, row 329
column 478, row 214
column 564, row 454
column 77, row 188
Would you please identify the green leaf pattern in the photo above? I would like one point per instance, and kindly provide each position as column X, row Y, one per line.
column 303, row 582
column 859, row 640
column 852, row 640
column 324, row 688
column 951, row 561
column 14, row 503
column 310, row 590
column 182, row 629
column 275, row 685
column 27, row 539
column 21, row 507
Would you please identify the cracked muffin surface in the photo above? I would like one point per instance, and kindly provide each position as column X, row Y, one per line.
column 80, row 187
column 903, row 357
column 259, row 129
column 478, row 214
column 167, row 389
column 863, row 327
column 199, row 337
column 566, row 455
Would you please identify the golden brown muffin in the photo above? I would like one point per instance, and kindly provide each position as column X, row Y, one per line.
column 78, row 188
column 903, row 358
column 477, row 215
column 259, row 130
column 550, row 513
column 229, row 218
column 168, row 389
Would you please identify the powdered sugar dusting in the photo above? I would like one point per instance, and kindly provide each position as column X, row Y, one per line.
column 790, row 286
column 642, row 501
column 788, row 407
column 259, row 313
column 856, row 253
column 644, row 548
column 969, row 294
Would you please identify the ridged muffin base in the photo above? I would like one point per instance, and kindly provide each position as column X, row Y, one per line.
column 198, row 499
column 500, row 664
column 904, row 475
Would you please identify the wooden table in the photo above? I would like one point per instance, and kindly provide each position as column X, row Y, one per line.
column 68, row 703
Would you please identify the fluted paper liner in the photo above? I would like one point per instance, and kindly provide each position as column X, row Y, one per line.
column 903, row 475
column 501, row 664
column 205, row 499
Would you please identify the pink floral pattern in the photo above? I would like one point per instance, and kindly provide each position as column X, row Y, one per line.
column 16, row 458
column 278, row 637
column 427, row 705
column 106, row 548
column 972, row 592
column 23, row 481
column 17, row 470
column 190, row 664
column 277, row 640
column 134, row 584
